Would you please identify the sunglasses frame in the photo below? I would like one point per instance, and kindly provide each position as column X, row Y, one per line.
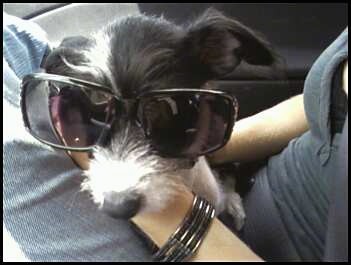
column 232, row 116
column 62, row 79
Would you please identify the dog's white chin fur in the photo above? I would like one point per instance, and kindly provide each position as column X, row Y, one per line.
column 108, row 172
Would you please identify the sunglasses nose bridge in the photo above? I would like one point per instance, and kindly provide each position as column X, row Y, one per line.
column 119, row 125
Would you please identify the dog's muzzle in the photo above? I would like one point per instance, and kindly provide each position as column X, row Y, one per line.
column 122, row 204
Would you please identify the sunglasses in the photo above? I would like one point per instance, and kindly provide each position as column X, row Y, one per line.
column 76, row 115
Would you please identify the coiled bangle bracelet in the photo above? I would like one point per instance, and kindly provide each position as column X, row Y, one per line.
column 187, row 238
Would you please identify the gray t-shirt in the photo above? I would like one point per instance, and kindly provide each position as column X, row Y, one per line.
column 298, row 179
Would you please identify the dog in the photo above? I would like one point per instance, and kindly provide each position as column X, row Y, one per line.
column 139, row 53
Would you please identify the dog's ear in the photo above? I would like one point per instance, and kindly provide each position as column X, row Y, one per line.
column 220, row 43
column 70, row 51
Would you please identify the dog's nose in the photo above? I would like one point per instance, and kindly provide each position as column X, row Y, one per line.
column 121, row 204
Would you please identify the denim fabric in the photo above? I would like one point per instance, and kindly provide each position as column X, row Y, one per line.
column 44, row 209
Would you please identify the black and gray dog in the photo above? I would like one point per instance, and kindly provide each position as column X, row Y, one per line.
column 139, row 53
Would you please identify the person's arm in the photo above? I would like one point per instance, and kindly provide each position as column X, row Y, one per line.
column 81, row 159
column 219, row 244
column 264, row 134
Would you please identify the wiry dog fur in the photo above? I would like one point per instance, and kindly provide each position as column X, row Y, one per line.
column 138, row 53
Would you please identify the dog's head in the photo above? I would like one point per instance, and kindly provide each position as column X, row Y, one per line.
column 140, row 53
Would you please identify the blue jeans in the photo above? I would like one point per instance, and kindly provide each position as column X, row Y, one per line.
column 44, row 209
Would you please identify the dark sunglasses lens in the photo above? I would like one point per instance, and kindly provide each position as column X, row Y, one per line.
column 187, row 124
column 66, row 115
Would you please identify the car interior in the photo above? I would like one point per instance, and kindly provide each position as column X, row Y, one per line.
column 299, row 32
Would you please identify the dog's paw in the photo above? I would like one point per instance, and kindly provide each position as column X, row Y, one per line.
column 235, row 208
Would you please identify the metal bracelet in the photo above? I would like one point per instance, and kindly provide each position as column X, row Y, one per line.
column 187, row 238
